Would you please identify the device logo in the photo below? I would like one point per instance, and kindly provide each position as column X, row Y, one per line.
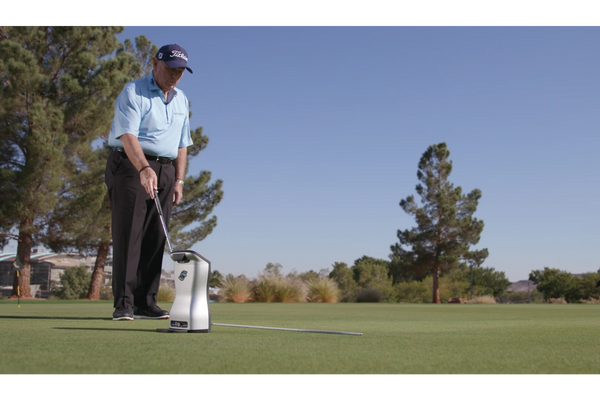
column 179, row 324
column 183, row 275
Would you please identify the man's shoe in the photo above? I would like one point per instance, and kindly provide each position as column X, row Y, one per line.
column 123, row 314
column 151, row 312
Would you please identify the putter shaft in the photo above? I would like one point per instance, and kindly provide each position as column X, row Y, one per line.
column 162, row 220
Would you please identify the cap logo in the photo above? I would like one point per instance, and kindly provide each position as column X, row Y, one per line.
column 179, row 54
column 160, row 55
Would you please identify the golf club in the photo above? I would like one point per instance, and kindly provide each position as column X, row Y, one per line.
column 162, row 221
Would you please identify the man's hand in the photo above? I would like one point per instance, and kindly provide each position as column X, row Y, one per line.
column 177, row 193
column 149, row 181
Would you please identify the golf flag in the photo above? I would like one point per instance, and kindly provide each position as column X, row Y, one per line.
column 17, row 266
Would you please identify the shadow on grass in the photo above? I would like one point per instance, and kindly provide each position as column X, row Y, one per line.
column 79, row 319
column 105, row 329
column 69, row 318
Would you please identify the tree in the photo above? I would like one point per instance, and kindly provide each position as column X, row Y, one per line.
column 475, row 259
column 343, row 276
column 372, row 273
column 273, row 269
column 445, row 227
column 58, row 84
column 216, row 278
column 487, row 281
column 81, row 219
column 401, row 267
column 554, row 283
column 587, row 286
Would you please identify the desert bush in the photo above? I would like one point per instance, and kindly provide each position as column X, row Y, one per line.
column 323, row 290
column 521, row 297
column 486, row 299
column 290, row 290
column 264, row 288
column 269, row 288
column 370, row 295
column 559, row 300
column 591, row 300
column 165, row 293
column 236, row 289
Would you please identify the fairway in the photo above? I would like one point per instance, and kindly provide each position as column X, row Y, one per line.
column 79, row 337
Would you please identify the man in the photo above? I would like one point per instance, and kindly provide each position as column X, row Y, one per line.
column 149, row 135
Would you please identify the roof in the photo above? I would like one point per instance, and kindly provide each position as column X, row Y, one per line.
column 6, row 256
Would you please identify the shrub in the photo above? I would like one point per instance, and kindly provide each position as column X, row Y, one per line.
column 75, row 282
column 448, row 288
column 323, row 290
column 106, row 292
column 269, row 288
column 481, row 300
column 591, row 300
column 264, row 288
column 343, row 277
column 521, row 297
column 412, row 292
column 165, row 293
column 236, row 289
column 370, row 295
column 290, row 290
column 559, row 300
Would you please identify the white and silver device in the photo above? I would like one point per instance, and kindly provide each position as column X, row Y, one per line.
column 190, row 312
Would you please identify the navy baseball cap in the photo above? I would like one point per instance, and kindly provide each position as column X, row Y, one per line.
column 174, row 56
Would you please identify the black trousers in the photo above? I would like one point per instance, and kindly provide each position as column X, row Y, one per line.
column 138, row 237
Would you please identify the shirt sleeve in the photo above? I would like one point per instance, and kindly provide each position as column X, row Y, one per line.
column 186, row 138
column 128, row 115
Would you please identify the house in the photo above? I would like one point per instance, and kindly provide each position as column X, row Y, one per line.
column 46, row 268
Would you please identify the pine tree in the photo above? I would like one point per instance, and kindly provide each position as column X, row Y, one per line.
column 445, row 227
column 82, row 219
column 58, row 86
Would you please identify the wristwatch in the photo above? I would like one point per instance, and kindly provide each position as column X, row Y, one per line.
column 179, row 181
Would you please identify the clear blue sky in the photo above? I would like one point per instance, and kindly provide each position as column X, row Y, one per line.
column 317, row 133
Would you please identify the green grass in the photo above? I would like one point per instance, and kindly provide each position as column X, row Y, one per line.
column 74, row 337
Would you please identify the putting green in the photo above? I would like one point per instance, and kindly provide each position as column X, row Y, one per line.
column 79, row 337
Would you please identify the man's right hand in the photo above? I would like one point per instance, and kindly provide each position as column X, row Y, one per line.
column 149, row 181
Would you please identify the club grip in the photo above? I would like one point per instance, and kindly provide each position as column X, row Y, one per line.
column 157, row 201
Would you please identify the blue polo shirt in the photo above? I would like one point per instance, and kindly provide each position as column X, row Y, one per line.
column 161, row 127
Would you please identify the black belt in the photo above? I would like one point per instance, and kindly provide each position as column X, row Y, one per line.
column 160, row 160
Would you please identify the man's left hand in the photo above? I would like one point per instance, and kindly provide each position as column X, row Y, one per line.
column 177, row 193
